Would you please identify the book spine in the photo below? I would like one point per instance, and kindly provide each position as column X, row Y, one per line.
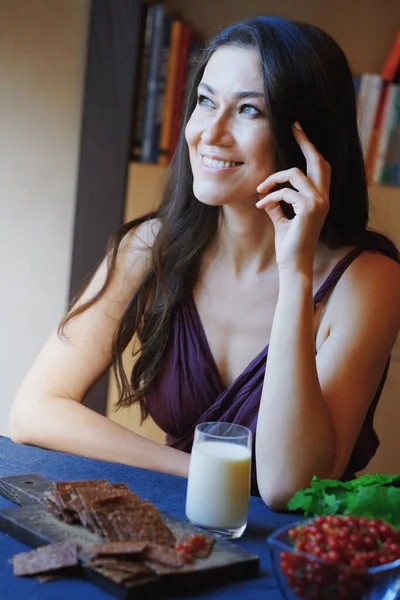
column 392, row 61
column 356, row 82
column 373, row 145
column 396, row 78
column 180, row 84
column 140, row 102
column 396, row 174
column 384, row 133
column 370, row 108
column 390, row 154
column 363, row 94
column 172, row 72
column 152, row 83
column 161, row 89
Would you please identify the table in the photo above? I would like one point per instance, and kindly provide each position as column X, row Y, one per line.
column 167, row 492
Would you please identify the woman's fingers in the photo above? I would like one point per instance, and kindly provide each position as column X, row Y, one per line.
column 318, row 175
column 294, row 176
column 271, row 203
column 285, row 194
column 301, row 204
column 318, row 170
column 273, row 210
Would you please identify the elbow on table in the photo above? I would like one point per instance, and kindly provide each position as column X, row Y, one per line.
column 275, row 501
column 16, row 431
column 276, row 495
column 20, row 424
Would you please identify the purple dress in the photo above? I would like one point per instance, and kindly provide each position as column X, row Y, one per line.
column 189, row 390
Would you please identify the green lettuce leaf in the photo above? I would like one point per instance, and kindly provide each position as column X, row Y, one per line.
column 373, row 496
column 377, row 503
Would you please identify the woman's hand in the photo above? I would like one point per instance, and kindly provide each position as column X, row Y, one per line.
column 296, row 239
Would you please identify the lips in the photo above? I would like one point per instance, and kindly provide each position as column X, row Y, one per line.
column 217, row 162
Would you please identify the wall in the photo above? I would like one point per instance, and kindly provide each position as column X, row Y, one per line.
column 42, row 59
column 364, row 28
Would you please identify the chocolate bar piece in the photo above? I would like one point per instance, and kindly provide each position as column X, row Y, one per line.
column 46, row 558
column 165, row 555
column 120, row 568
column 115, row 575
column 88, row 497
column 117, row 548
column 58, row 500
column 102, row 511
column 67, row 489
column 142, row 522
column 85, row 496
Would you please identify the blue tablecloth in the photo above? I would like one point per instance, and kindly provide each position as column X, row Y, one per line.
column 165, row 491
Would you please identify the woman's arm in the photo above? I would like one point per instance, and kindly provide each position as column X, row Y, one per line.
column 47, row 410
column 313, row 406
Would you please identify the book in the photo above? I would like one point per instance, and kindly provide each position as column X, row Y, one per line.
column 140, row 99
column 172, row 72
column 392, row 61
column 374, row 141
column 370, row 92
column 356, row 82
column 396, row 78
column 161, row 89
column 152, row 82
column 389, row 163
column 180, row 84
column 382, row 143
column 395, row 180
column 395, row 170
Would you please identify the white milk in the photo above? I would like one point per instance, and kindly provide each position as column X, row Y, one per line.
column 219, row 485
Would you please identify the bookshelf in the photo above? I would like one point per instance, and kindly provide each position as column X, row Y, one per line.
column 365, row 29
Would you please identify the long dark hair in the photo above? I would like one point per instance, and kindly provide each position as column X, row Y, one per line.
column 306, row 79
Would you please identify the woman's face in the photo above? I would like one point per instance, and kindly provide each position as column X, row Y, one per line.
column 228, row 135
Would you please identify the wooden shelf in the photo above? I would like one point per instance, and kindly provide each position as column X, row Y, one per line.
column 144, row 189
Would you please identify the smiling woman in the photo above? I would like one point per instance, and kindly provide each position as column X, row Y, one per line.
column 228, row 135
column 257, row 293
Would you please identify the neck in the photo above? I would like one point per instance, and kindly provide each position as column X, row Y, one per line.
column 246, row 240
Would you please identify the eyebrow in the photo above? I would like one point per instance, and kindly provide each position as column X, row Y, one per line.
column 237, row 95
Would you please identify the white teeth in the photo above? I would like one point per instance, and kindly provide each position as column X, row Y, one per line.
column 218, row 164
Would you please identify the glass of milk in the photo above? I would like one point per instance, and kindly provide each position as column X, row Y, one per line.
column 218, row 488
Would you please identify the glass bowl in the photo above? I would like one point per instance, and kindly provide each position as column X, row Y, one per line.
column 302, row 576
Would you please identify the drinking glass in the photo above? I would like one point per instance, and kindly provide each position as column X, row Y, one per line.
column 218, row 488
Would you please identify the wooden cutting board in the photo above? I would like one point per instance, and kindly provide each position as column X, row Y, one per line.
column 32, row 524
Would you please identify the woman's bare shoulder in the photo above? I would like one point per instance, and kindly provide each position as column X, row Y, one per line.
column 372, row 269
column 132, row 261
column 141, row 238
column 370, row 285
column 134, row 252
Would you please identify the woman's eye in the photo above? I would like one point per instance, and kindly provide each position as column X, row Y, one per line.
column 249, row 109
column 204, row 101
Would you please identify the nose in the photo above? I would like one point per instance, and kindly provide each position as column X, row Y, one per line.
column 217, row 132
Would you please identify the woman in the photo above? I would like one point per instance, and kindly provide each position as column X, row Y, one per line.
column 259, row 248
